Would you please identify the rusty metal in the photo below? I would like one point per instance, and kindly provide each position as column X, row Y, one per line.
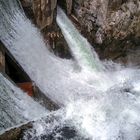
column 27, row 87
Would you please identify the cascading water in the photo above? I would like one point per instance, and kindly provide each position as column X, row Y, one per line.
column 79, row 46
column 16, row 107
column 99, row 105
column 102, row 113
column 25, row 43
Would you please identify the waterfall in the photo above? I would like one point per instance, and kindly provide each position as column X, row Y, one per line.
column 99, row 105
column 56, row 77
column 16, row 107
column 81, row 49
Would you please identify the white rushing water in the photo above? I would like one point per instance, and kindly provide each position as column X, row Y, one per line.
column 99, row 105
column 109, row 109
column 16, row 107
column 25, row 43
column 79, row 46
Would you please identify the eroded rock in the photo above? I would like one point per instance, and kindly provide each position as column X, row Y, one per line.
column 113, row 25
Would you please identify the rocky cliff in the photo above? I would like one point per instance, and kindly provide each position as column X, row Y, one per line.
column 111, row 26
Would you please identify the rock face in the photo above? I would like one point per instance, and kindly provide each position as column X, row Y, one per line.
column 113, row 25
column 67, row 5
column 44, row 12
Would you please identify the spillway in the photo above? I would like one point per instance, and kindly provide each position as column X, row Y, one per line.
column 16, row 107
column 25, row 43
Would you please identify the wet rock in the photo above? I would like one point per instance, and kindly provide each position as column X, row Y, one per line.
column 15, row 133
column 66, row 5
column 113, row 25
column 44, row 12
